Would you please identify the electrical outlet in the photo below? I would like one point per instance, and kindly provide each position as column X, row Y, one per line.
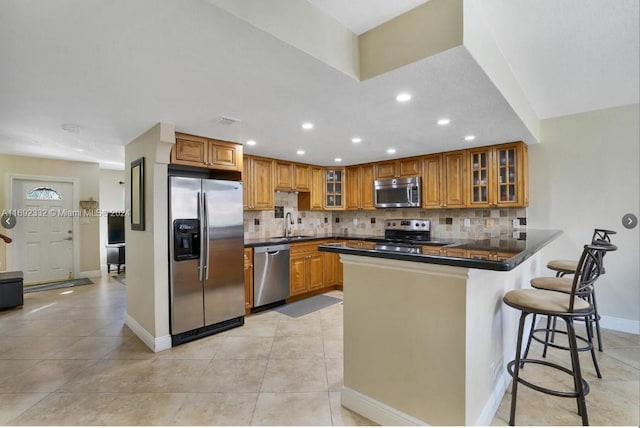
column 467, row 222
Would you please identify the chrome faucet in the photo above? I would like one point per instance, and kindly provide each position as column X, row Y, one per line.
column 289, row 218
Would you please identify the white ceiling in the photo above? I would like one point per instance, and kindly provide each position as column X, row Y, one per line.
column 360, row 16
column 118, row 67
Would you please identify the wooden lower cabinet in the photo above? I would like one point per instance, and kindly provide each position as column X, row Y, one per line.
column 332, row 267
column 307, row 268
column 248, row 278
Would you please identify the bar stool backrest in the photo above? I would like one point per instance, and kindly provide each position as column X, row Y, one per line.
column 588, row 271
column 602, row 235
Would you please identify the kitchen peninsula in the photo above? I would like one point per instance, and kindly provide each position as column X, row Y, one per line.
column 426, row 337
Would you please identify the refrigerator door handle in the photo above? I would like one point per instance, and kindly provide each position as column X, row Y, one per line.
column 201, row 260
column 205, row 215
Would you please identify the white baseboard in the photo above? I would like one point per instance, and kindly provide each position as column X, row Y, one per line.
column 90, row 274
column 620, row 324
column 156, row 344
column 491, row 407
column 610, row 323
column 378, row 412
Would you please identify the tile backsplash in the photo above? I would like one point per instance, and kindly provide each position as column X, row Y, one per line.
column 482, row 223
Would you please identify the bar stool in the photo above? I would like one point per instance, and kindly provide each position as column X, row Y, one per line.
column 568, row 267
column 566, row 306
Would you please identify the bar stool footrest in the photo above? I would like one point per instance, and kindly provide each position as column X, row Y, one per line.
column 588, row 346
column 566, row 394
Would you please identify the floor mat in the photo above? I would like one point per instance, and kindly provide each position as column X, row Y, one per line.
column 57, row 284
column 307, row 306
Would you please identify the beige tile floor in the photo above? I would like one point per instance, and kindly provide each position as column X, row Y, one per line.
column 68, row 359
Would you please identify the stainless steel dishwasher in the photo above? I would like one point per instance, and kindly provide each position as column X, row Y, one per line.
column 271, row 275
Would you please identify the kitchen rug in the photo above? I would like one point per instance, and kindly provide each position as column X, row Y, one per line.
column 57, row 284
column 306, row 306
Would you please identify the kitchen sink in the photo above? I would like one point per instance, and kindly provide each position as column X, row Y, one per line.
column 292, row 238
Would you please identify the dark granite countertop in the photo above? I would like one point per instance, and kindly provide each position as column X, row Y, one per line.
column 258, row 242
column 502, row 253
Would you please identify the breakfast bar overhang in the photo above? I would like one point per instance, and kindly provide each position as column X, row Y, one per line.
column 426, row 337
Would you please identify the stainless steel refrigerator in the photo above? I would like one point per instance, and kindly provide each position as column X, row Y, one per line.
column 206, row 268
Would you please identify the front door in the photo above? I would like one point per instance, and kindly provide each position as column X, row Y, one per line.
column 43, row 236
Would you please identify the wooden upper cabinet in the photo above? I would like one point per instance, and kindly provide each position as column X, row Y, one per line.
column 443, row 180
column 366, row 181
column 301, row 177
column 385, row 169
column 284, row 176
column 313, row 200
column 291, row 177
column 410, row 167
column 359, row 184
column 191, row 150
column 258, row 183
column 334, row 189
column 498, row 176
column 432, row 182
column 454, row 179
column 224, row 155
column 354, row 188
column 317, row 188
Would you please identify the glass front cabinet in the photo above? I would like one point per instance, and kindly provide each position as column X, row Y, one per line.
column 334, row 191
column 498, row 176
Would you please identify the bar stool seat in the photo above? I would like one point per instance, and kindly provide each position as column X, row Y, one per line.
column 562, row 285
column 563, row 267
column 544, row 301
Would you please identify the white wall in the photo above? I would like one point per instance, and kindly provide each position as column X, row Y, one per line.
column 585, row 174
column 148, row 275
column 111, row 198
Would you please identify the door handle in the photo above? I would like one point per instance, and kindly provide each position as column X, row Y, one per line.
column 68, row 239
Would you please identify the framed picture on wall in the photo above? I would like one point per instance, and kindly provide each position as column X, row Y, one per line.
column 137, row 194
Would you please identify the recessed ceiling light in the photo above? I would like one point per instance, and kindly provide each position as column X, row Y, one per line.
column 251, row 142
column 300, row 152
column 71, row 127
column 356, row 140
column 307, row 125
column 391, row 151
column 403, row 97
column 337, row 160
column 470, row 138
column 443, row 122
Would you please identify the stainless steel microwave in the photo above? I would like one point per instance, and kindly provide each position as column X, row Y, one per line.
column 397, row 192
